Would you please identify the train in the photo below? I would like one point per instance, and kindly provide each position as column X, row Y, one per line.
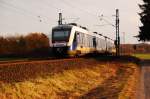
column 75, row 40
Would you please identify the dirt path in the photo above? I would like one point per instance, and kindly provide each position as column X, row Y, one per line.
column 111, row 88
column 144, row 86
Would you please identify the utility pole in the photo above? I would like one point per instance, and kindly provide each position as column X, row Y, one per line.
column 60, row 19
column 124, row 37
column 117, row 42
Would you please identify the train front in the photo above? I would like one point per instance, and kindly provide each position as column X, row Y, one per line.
column 60, row 39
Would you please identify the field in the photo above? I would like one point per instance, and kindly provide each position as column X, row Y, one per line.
column 81, row 78
column 142, row 56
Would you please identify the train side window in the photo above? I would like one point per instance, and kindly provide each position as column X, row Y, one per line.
column 89, row 41
column 82, row 36
column 94, row 42
column 97, row 40
column 85, row 41
column 77, row 37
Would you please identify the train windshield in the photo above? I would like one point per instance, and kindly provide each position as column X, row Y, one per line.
column 61, row 35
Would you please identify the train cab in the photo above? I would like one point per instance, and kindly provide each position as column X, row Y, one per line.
column 60, row 39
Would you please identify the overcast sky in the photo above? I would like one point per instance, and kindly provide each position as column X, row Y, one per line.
column 19, row 17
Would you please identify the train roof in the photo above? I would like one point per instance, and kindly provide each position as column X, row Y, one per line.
column 70, row 25
column 64, row 26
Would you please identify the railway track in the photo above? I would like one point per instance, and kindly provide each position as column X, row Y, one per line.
column 27, row 60
column 35, row 60
column 17, row 71
column 51, row 58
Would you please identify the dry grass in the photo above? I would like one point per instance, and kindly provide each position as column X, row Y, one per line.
column 64, row 79
column 129, row 91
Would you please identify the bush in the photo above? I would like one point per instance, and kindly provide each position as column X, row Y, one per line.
column 30, row 45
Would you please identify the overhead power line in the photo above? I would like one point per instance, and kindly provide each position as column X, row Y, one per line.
column 23, row 11
column 50, row 5
column 11, row 8
column 108, row 23
column 79, row 8
column 17, row 8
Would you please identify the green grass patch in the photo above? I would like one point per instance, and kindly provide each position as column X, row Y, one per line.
column 142, row 56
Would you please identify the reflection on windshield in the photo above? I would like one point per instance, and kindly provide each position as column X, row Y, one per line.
column 60, row 35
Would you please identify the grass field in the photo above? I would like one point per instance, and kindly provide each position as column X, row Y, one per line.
column 142, row 56
column 73, row 79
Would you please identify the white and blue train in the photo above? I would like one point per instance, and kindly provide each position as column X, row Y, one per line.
column 73, row 40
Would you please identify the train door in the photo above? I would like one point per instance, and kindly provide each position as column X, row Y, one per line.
column 94, row 43
column 75, row 41
column 77, row 38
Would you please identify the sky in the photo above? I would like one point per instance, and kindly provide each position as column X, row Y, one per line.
column 20, row 17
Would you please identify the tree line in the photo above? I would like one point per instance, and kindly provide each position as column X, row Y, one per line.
column 141, row 48
column 33, row 44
